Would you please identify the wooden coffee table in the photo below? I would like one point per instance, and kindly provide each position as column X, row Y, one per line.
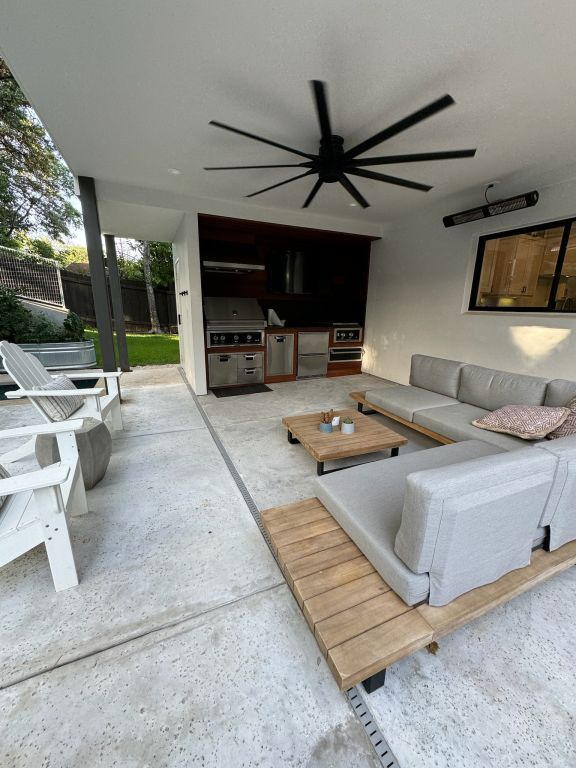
column 370, row 436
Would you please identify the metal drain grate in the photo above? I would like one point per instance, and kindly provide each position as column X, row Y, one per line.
column 362, row 711
column 354, row 696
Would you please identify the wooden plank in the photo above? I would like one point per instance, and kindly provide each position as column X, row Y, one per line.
column 467, row 607
column 358, row 619
column 287, row 509
column 297, row 518
column 330, row 578
column 374, row 650
column 339, row 599
column 360, row 397
column 292, row 552
column 306, row 531
column 319, row 561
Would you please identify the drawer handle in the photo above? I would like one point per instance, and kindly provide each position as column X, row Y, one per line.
column 248, row 357
column 249, row 371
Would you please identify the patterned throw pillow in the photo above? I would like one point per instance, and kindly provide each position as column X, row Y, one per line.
column 3, row 475
column 530, row 422
column 59, row 408
column 568, row 427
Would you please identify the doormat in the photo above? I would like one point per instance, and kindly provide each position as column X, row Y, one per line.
column 251, row 389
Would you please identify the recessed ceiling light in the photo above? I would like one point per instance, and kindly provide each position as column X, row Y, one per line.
column 174, row 171
column 352, row 205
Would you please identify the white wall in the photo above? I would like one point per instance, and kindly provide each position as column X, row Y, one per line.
column 191, row 330
column 419, row 287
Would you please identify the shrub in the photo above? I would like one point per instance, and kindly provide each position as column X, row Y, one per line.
column 20, row 326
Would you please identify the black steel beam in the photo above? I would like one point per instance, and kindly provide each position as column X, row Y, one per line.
column 97, row 271
column 117, row 305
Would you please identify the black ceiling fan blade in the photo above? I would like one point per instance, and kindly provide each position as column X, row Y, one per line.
column 419, row 157
column 281, row 183
column 313, row 192
column 243, row 167
column 389, row 179
column 262, row 139
column 351, row 189
column 321, row 101
column 401, row 125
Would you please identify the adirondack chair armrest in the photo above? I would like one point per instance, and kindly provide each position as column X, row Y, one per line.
column 73, row 425
column 50, row 476
column 17, row 393
column 95, row 374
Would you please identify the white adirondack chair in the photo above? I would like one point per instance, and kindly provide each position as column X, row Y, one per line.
column 29, row 374
column 39, row 503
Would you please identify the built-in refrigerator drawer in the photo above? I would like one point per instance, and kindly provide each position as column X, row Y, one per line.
column 222, row 370
column 249, row 360
column 313, row 342
column 250, row 376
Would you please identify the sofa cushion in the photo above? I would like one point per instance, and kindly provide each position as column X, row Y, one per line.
column 367, row 502
column 528, row 422
column 455, row 422
column 560, row 510
column 436, row 374
column 404, row 401
column 491, row 389
column 560, row 392
column 470, row 523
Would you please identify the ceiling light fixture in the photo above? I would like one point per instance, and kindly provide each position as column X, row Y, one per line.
column 174, row 171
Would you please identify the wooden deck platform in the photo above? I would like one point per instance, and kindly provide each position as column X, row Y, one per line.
column 360, row 624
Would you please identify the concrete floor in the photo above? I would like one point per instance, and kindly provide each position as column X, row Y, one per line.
column 183, row 646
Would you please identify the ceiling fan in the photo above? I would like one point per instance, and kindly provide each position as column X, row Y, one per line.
column 335, row 164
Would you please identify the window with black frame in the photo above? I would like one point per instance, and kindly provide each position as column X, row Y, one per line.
column 527, row 270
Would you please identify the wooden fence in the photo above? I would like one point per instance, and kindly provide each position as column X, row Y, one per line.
column 78, row 298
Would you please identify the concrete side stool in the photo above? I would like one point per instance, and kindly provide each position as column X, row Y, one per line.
column 94, row 448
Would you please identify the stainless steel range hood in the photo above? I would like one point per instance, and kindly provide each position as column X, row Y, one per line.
column 231, row 268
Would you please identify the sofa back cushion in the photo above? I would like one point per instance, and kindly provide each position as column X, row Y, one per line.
column 560, row 509
column 560, row 392
column 492, row 389
column 470, row 523
column 436, row 374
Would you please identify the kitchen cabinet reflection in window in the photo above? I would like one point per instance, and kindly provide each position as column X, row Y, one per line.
column 527, row 270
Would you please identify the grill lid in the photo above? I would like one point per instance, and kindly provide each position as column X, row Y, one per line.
column 233, row 312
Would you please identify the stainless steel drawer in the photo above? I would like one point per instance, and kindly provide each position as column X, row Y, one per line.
column 222, row 370
column 249, row 360
column 250, row 376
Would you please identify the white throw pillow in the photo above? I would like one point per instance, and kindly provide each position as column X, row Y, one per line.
column 59, row 408
column 529, row 422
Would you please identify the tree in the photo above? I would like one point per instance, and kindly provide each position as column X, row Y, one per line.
column 36, row 186
column 146, row 266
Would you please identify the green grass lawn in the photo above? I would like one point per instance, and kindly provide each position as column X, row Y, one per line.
column 143, row 348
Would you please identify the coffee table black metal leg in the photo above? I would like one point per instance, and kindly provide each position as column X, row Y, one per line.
column 320, row 468
column 292, row 439
column 361, row 407
column 394, row 452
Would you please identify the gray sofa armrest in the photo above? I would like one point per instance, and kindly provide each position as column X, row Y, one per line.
column 469, row 524
column 560, row 510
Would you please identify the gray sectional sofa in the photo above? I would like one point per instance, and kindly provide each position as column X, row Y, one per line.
column 440, row 522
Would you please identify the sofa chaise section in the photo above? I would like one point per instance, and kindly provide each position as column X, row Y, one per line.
column 455, row 422
column 367, row 502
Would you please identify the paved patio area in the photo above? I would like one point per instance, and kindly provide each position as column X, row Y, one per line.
column 183, row 646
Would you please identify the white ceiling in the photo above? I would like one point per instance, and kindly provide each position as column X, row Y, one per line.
column 127, row 89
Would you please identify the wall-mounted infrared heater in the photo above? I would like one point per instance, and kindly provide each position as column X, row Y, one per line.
column 492, row 209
